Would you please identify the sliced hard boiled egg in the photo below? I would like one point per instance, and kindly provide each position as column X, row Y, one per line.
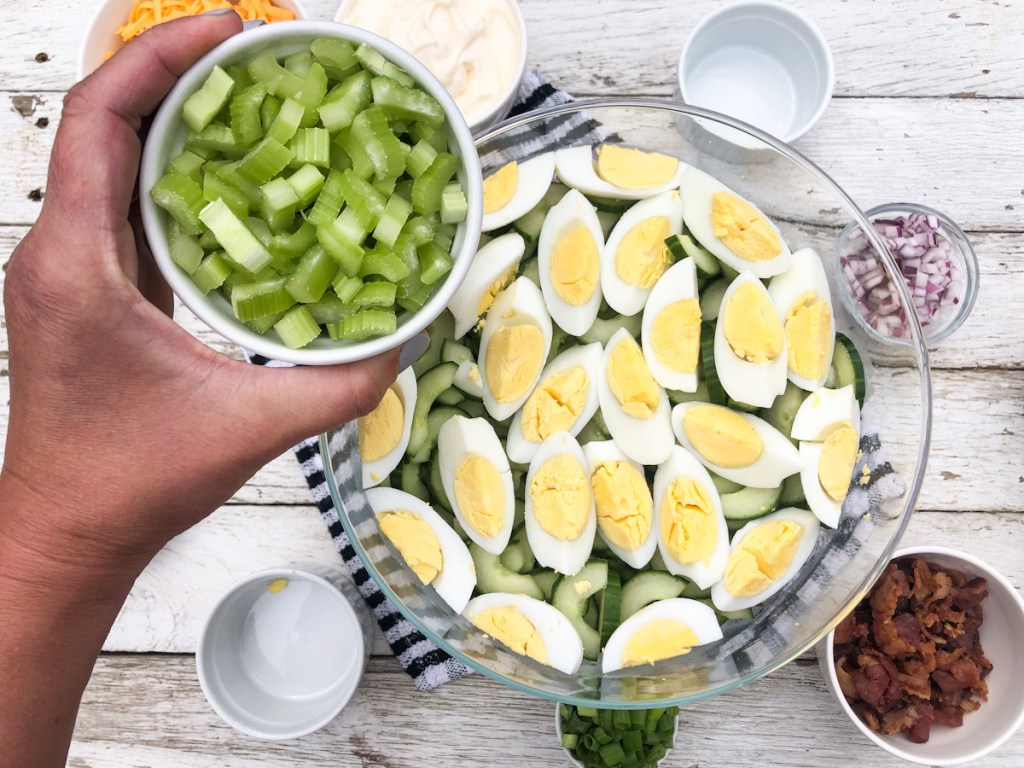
column 564, row 400
column 750, row 344
column 493, row 269
column 732, row 228
column 623, row 502
column 384, row 432
column 515, row 189
column 738, row 446
column 823, row 411
column 635, row 255
column 635, row 408
column 765, row 555
column 828, row 468
column 662, row 630
column 802, row 299
column 569, row 260
column 477, row 480
column 467, row 378
column 514, row 345
column 560, row 518
column 529, row 627
column 427, row 544
column 619, row 173
column 693, row 537
column 670, row 334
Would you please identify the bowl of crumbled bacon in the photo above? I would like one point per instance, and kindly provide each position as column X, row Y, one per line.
column 929, row 664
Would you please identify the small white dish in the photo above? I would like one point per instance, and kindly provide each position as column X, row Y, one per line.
column 572, row 759
column 760, row 62
column 999, row 717
column 283, row 651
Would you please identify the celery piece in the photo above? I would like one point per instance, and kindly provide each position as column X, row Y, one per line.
column 351, row 225
column 360, row 195
column 185, row 250
column 345, row 287
column 202, row 106
column 252, row 300
column 364, row 325
column 421, row 229
column 398, row 100
column 399, row 127
column 204, row 152
column 293, row 245
column 245, row 114
column 266, row 69
column 287, row 85
column 286, row 123
column 328, row 202
column 297, row 328
column 348, row 253
column 385, row 263
column 351, row 97
column 299, row 63
column 269, row 111
column 307, row 183
column 431, row 134
column 395, row 214
column 263, row 324
column 374, row 295
column 279, row 204
column 283, row 263
column 233, row 235
column 211, row 272
column 215, row 137
column 216, row 188
column 428, row 189
column 413, row 294
column 182, row 198
column 336, row 56
column 375, row 62
column 208, row 241
column 445, row 237
column 314, row 88
column 404, row 188
column 453, row 204
column 312, row 276
column 229, row 173
column 240, row 75
column 330, row 309
column 385, row 186
column 370, row 128
column 420, row 158
column 311, row 146
column 435, row 263
column 405, row 249
column 340, row 161
column 360, row 160
column 267, row 159
column 186, row 164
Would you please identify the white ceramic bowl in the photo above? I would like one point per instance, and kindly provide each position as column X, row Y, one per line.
column 166, row 137
column 101, row 35
column 999, row 718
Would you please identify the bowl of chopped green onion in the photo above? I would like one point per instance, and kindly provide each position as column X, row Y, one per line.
column 601, row 738
column 312, row 193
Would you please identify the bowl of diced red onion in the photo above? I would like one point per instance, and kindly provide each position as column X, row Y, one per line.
column 935, row 259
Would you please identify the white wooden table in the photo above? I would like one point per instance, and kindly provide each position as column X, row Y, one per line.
column 928, row 107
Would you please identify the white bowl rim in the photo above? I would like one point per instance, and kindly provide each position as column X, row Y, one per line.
column 228, row 327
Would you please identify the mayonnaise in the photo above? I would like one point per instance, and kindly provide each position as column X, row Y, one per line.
column 472, row 46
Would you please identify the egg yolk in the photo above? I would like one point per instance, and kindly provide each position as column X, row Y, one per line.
column 575, row 267
column 555, row 405
column 675, row 335
column 488, row 297
column 624, row 504
column 500, row 187
column 480, row 494
column 631, row 381
column 514, row 359
column 509, row 627
column 722, row 436
column 809, row 336
column 415, row 541
column 380, row 431
column 752, row 327
column 762, row 557
column 633, row 169
column 561, row 497
column 689, row 526
column 656, row 640
column 742, row 228
column 642, row 256
column 838, row 456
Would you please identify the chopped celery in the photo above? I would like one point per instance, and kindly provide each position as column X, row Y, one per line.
column 211, row 272
column 453, row 204
column 216, row 137
column 252, row 300
column 345, row 287
column 265, row 323
column 340, row 161
column 311, row 146
column 357, row 154
column 264, row 161
column 297, row 328
column 260, row 230
column 420, row 158
column 312, row 276
column 292, row 245
column 348, row 253
column 445, row 236
column 405, row 249
column 328, row 201
column 186, row 164
column 279, row 204
column 265, row 69
column 421, row 229
column 307, row 183
column 364, row 325
column 299, row 63
column 413, row 294
column 183, row 199
column 396, row 213
column 352, row 96
column 216, row 188
column 240, row 75
column 385, row 263
column 208, row 241
column 233, row 235
column 350, row 224
column 403, row 188
column 286, row 122
column 246, row 127
column 269, row 111
column 336, row 56
column 229, row 173
column 431, row 134
column 375, row 62
column 360, row 195
column 374, row 295
column 371, row 129
column 399, row 100
column 330, row 309
column 202, row 106
column 314, row 88
column 435, row 263
column 428, row 189
column 185, row 250
column 385, row 186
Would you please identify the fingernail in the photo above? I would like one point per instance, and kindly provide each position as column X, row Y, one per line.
column 412, row 350
column 253, row 24
column 218, row 12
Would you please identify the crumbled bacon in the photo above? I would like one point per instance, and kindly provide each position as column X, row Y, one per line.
column 910, row 654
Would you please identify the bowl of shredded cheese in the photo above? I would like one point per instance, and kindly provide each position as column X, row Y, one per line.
column 117, row 22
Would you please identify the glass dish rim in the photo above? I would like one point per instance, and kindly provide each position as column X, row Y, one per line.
column 917, row 345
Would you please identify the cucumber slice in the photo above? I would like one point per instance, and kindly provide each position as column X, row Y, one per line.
column 454, row 352
column 728, row 272
column 750, row 503
column 724, row 486
column 431, row 384
column 608, row 618
column 474, row 408
column 657, row 562
column 694, row 592
column 571, row 595
column 783, row 411
column 451, row 396
column 683, row 246
column 792, row 492
column 605, row 205
column 518, row 556
column 545, row 578
column 439, row 330
column 603, row 330
column 849, row 367
column 411, row 482
column 435, row 420
column 711, row 299
column 648, row 587
column 493, row 576
column 716, row 393
column 724, row 616
column 700, row 395
column 438, row 497
column 608, row 222
column 745, row 407
column 530, row 268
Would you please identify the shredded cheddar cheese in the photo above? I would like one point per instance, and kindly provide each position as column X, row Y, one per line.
column 148, row 13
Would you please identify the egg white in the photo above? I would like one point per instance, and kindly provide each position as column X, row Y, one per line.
column 570, row 213
column 519, row 304
column 824, row 411
column 598, row 453
column 721, row 596
column 824, row 507
column 778, row 460
column 624, row 298
column 575, row 167
column 521, row 450
column 677, row 284
column 459, row 438
column 535, row 177
column 700, row 618
column 468, row 379
column 561, row 640
column 457, row 578
column 697, row 188
column 647, row 441
column 682, row 463
column 756, row 384
column 566, row 557
column 489, row 264
column 375, row 472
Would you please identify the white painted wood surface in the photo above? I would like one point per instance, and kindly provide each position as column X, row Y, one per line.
column 929, row 104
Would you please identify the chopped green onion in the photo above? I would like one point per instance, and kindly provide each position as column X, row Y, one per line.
column 312, row 276
column 202, row 106
column 400, row 100
column 428, row 190
column 435, row 263
column 252, row 300
column 569, row 740
column 297, row 328
column 183, row 199
column 237, row 240
column 346, row 288
column 611, row 754
column 364, row 325
column 211, row 273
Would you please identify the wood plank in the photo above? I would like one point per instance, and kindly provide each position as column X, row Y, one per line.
column 603, row 46
column 149, row 710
